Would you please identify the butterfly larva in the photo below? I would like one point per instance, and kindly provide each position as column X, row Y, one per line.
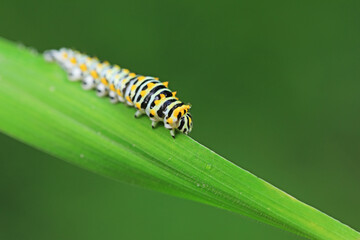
column 147, row 94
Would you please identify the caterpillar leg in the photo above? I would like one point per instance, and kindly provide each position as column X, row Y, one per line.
column 154, row 123
column 88, row 83
column 138, row 113
column 121, row 99
column 74, row 74
column 113, row 97
column 67, row 66
column 172, row 132
column 101, row 90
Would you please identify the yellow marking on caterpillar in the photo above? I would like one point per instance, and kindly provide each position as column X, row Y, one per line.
column 174, row 94
column 106, row 63
column 132, row 74
column 181, row 110
column 150, row 85
column 176, row 111
column 128, row 98
column 65, row 55
column 133, row 87
column 119, row 92
column 166, row 84
column 152, row 112
column 190, row 120
column 104, row 81
column 170, row 120
column 126, row 71
column 156, row 78
column 94, row 74
column 83, row 67
column 141, row 78
column 112, row 87
column 143, row 92
column 73, row 60
column 162, row 96
column 138, row 106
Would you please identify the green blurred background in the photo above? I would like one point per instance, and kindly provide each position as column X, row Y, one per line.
column 274, row 87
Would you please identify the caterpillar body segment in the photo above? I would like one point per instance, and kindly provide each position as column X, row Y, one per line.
column 147, row 94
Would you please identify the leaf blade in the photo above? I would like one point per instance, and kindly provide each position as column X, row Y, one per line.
column 40, row 107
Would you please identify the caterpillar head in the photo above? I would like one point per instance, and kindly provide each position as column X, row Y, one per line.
column 180, row 119
column 185, row 123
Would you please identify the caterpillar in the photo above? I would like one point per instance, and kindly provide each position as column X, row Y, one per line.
column 147, row 94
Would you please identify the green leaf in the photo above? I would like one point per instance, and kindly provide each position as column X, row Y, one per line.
column 40, row 107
